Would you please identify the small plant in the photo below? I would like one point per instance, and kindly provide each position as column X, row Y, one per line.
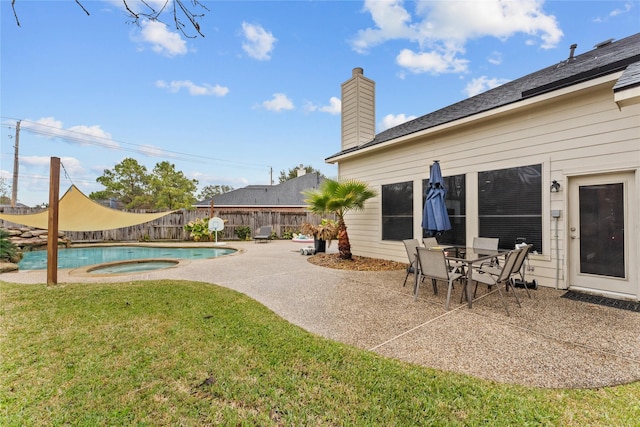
column 327, row 230
column 288, row 234
column 243, row 232
column 198, row 229
column 9, row 252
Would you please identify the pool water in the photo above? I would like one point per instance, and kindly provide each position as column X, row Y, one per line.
column 131, row 267
column 81, row 257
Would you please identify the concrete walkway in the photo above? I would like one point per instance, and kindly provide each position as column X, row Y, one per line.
column 549, row 342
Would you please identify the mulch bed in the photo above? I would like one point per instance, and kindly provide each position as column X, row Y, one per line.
column 358, row 263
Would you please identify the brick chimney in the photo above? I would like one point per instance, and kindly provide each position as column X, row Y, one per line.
column 358, row 110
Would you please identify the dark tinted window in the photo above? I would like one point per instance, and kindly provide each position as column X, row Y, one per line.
column 510, row 205
column 456, row 207
column 397, row 211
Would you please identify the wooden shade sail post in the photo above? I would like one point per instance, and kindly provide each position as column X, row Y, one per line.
column 52, row 229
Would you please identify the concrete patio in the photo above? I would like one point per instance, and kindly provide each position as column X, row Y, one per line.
column 550, row 342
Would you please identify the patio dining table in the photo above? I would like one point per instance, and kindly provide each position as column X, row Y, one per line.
column 467, row 257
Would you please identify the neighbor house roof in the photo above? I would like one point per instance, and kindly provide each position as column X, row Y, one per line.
column 606, row 58
column 286, row 194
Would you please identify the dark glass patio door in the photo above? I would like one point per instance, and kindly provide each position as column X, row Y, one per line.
column 602, row 229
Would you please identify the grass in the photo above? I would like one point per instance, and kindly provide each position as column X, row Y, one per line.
column 189, row 353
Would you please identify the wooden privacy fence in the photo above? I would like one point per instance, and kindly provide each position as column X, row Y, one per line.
column 171, row 226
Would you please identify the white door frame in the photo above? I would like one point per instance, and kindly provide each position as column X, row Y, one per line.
column 628, row 287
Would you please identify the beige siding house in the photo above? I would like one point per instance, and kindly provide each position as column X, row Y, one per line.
column 552, row 157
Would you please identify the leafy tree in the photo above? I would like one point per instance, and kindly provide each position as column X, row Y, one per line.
column 208, row 191
column 128, row 182
column 175, row 8
column 339, row 197
column 171, row 189
column 293, row 173
column 4, row 191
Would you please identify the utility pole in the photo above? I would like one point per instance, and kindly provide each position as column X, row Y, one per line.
column 14, row 189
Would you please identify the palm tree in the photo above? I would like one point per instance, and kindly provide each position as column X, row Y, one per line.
column 339, row 198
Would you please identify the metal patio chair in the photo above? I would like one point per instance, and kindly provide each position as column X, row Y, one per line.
column 487, row 275
column 429, row 242
column 410, row 245
column 263, row 235
column 433, row 264
column 518, row 268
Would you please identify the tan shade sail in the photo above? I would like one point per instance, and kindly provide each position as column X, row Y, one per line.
column 77, row 212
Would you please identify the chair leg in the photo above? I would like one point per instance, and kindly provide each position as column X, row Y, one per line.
column 416, row 287
column 526, row 288
column 406, row 277
column 524, row 283
column 504, row 303
column 510, row 283
column 450, row 288
column 410, row 269
column 435, row 286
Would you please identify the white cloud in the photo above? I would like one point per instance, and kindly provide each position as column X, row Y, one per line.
column 161, row 39
column 431, row 62
column 72, row 166
column 392, row 21
column 441, row 29
column 193, row 89
column 482, row 84
column 37, row 161
column 391, row 120
column 334, row 107
column 153, row 151
column 51, row 128
column 38, row 167
column 495, row 58
column 279, row 102
column 627, row 8
column 258, row 43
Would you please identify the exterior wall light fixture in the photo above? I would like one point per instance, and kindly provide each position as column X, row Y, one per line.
column 555, row 186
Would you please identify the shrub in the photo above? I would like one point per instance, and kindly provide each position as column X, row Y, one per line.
column 288, row 234
column 198, row 229
column 243, row 232
column 9, row 252
column 326, row 230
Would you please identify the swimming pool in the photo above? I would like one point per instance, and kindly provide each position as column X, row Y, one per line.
column 81, row 257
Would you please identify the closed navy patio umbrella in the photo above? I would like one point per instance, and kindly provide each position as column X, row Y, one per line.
column 435, row 218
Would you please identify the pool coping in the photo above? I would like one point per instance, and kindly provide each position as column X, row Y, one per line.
column 85, row 271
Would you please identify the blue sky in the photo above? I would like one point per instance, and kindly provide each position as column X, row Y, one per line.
column 261, row 90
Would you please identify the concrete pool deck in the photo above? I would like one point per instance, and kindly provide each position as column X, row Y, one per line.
column 550, row 342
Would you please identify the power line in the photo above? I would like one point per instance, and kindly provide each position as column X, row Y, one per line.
column 87, row 139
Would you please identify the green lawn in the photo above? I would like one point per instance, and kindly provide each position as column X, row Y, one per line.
column 189, row 353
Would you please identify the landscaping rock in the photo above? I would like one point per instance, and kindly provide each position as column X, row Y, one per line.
column 6, row 267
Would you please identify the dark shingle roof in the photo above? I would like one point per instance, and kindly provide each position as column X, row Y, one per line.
column 288, row 193
column 606, row 59
column 630, row 78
